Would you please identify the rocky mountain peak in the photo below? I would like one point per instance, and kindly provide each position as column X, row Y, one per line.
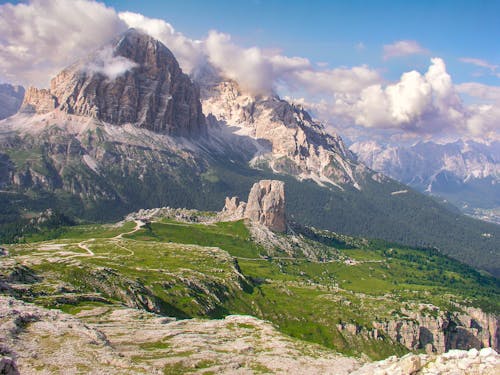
column 294, row 143
column 266, row 205
column 134, row 79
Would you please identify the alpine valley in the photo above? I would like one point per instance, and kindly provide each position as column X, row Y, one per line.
column 127, row 248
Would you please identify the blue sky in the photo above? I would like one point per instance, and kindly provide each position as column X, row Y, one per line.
column 329, row 31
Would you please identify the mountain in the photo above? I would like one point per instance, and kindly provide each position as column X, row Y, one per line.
column 122, row 130
column 464, row 172
column 134, row 80
column 290, row 141
column 11, row 98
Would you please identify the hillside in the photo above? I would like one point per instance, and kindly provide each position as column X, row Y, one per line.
column 70, row 149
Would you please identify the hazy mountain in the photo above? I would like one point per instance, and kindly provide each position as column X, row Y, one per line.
column 123, row 129
column 465, row 172
column 11, row 98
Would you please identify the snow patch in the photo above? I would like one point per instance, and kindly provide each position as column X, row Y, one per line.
column 399, row 192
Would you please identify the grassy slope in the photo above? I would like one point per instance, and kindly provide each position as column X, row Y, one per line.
column 304, row 299
column 129, row 181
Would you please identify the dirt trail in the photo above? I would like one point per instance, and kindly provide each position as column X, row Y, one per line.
column 82, row 245
column 138, row 225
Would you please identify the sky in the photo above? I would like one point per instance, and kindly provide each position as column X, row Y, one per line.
column 400, row 69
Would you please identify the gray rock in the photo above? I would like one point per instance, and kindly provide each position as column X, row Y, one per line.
column 134, row 80
column 266, row 204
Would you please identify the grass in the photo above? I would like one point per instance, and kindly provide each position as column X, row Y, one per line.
column 188, row 270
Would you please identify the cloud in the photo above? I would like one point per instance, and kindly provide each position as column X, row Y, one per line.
column 105, row 62
column 481, row 91
column 478, row 62
column 188, row 52
column 39, row 38
column 360, row 46
column 418, row 103
column 493, row 69
column 253, row 68
column 403, row 48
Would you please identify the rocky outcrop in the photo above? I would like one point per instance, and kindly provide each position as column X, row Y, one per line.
column 266, row 205
column 455, row 362
column 8, row 366
column 38, row 101
column 437, row 331
column 291, row 141
column 134, row 80
column 11, row 97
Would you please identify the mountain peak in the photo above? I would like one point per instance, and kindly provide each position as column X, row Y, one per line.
column 134, row 79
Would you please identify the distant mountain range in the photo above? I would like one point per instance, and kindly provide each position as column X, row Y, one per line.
column 464, row 172
column 11, row 97
column 125, row 129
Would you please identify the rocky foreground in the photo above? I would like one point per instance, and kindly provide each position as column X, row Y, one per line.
column 117, row 340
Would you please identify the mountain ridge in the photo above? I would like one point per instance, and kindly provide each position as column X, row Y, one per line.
column 95, row 170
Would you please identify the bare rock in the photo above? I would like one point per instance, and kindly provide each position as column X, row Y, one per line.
column 38, row 101
column 266, row 204
column 234, row 209
column 136, row 80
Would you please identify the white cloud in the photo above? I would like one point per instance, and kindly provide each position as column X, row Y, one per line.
column 254, row 69
column 39, row 38
column 479, row 62
column 188, row 52
column 111, row 66
column 481, row 91
column 403, row 48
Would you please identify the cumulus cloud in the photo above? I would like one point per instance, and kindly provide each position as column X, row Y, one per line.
column 188, row 52
column 421, row 103
column 39, row 38
column 105, row 62
column 255, row 69
column 403, row 48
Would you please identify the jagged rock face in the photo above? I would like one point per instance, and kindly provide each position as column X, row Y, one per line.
column 39, row 101
column 234, row 209
column 11, row 98
column 293, row 142
column 134, row 80
column 438, row 332
column 266, row 206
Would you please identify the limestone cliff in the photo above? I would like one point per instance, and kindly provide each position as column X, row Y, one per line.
column 292, row 142
column 266, row 205
column 135, row 79
column 436, row 331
